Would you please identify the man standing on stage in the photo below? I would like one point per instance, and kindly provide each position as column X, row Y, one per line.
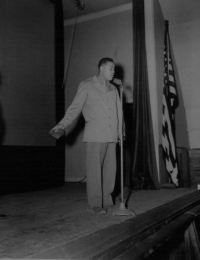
column 97, row 98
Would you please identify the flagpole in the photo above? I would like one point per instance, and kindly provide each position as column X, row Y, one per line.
column 170, row 103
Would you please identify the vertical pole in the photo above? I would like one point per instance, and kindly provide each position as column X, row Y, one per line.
column 121, row 142
column 122, row 211
column 59, row 91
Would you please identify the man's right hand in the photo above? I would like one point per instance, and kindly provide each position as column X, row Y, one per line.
column 57, row 131
column 59, row 127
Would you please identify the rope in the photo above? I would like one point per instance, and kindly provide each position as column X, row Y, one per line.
column 79, row 6
column 70, row 49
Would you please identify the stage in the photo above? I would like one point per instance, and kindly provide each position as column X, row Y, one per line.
column 55, row 223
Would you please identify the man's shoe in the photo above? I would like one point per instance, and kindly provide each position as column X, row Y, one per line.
column 111, row 207
column 97, row 210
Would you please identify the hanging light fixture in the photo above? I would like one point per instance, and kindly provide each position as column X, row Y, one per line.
column 79, row 5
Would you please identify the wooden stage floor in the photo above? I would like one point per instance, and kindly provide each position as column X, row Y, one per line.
column 40, row 222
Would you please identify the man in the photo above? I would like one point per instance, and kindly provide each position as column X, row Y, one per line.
column 99, row 102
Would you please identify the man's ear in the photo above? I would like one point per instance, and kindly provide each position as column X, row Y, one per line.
column 101, row 68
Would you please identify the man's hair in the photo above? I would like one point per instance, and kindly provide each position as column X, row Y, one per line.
column 104, row 61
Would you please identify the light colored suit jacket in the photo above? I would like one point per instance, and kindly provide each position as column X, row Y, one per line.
column 101, row 109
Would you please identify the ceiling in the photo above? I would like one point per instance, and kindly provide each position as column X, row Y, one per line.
column 180, row 11
column 91, row 6
column 175, row 11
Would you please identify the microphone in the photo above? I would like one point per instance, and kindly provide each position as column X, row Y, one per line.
column 80, row 5
column 117, row 82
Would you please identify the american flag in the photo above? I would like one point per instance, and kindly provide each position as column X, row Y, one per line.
column 170, row 103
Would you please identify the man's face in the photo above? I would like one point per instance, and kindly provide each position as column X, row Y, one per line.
column 108, row 70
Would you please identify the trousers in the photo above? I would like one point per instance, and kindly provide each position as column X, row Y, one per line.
column 101, row 173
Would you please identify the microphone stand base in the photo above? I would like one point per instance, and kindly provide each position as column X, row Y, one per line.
column 123, row 211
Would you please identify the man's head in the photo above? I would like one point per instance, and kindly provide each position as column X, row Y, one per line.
column 106, row 68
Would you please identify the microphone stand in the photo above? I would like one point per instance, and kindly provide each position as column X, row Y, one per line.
column 122, row 210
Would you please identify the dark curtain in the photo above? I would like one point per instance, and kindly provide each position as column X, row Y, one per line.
column 144, row 161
